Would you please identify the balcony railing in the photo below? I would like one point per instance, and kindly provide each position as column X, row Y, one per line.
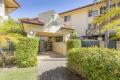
column 92, row 32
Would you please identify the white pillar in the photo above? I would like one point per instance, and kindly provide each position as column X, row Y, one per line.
column 2, row 9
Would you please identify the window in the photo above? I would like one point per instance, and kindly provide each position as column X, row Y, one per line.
column 89, row 26
column 59, row 39
column 113, row 5
column 67, row 18
column 102, row 10
column 93, row 13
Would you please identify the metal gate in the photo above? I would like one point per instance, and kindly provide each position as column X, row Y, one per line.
column 112, row 44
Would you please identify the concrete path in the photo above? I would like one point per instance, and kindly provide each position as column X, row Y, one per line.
column 52, row 66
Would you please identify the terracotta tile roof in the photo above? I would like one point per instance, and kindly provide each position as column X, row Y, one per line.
column 35, row 21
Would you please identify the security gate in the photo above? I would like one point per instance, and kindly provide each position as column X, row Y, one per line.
column 112, row 44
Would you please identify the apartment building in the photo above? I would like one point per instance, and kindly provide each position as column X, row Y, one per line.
column 53, row 34
column 7, row 6
column 81, row 18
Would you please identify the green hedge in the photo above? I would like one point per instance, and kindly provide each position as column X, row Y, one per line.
column 95, row 63
column 26, row 52
column 73, row 43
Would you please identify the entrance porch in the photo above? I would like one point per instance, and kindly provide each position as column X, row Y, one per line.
column 53, row 37
column 51, row 42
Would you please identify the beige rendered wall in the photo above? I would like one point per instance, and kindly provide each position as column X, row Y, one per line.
column 61, row 47
column 79, row 19
column 34, row 28
column 79, row 22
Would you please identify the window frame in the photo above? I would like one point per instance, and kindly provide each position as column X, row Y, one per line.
column 59, row 39
column 92, row 13
column 103, row 9
column 67, row 18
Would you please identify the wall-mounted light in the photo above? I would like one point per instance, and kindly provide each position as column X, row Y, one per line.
column 31, row 33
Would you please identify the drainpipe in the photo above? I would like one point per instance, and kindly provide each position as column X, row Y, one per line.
column 107, row 32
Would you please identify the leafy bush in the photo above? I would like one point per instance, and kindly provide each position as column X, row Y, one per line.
column 73, row 35
column 95, row 63
column 1, row 61
column 26, row 52
column 73, row 43
column 10, row 60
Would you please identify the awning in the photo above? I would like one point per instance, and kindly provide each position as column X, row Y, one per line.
column 66, row 27
column 11, row 5
column 34, row 21
column 45, row 34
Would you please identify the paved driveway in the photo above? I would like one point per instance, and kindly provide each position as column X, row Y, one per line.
column 52, row 66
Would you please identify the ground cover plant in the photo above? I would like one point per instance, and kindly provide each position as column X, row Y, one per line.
column 18, row 73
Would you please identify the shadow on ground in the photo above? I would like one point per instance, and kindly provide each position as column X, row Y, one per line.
column 60, row 73
column 52, row 55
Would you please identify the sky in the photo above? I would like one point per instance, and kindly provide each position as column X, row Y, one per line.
column 31, row 8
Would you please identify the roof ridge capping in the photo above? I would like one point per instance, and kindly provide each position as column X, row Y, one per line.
column 32, row 21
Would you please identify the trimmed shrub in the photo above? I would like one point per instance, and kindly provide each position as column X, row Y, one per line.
column 95, row 63
column 73, row 35
column 73, row 43
column 26, row 52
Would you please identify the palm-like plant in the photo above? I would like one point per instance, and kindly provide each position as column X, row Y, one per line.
column 114, row 17
column 108, row 20
column 113, row 24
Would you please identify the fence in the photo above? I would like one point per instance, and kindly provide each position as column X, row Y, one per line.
column 90, row 43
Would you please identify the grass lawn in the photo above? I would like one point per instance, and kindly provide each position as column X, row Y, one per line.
column 18, row 73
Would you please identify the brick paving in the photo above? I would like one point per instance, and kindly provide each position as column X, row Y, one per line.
column 53, row 67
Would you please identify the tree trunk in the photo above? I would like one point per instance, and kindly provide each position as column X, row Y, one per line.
column 107, row 39
column 2, row 56
column 107, row 32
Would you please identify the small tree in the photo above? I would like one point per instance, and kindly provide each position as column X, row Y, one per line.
column 108, row 17
column 73, row 35
column 6, row 29
column 4, row 39
column 74, row 42
column 114, row 23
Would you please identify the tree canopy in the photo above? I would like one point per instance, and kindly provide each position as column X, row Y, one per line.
column 110, row 20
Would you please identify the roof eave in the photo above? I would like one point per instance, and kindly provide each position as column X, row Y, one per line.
column 80, row 7
column 12, row 7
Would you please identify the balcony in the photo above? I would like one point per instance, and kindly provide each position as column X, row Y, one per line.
column 92, row 32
